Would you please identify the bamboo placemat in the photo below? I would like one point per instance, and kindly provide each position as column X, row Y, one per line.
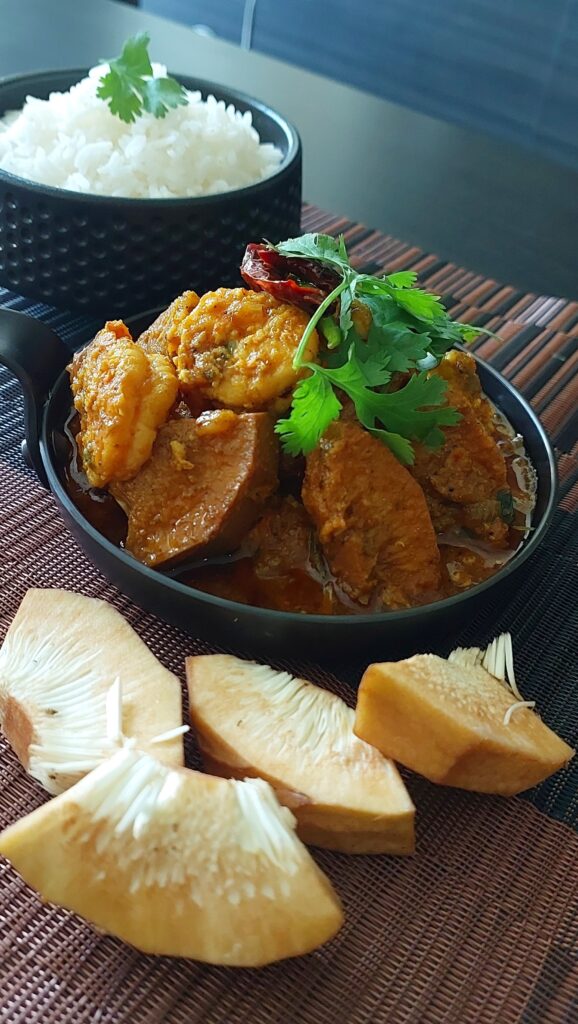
column 482, row 924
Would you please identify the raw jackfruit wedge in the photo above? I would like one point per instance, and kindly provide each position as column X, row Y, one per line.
column 60, row 657
column 252, row 720
column 178, row 863
column 457, row 723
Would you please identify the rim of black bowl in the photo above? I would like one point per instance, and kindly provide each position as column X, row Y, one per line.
column 527, row 548
column 203, row 85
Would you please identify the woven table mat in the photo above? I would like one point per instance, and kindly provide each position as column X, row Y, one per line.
column 482, row 924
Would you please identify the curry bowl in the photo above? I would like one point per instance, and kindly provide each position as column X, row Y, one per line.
column 38, row 358
column 93, row 253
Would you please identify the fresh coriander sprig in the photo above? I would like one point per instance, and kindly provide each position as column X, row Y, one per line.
column 129, row 87
column 317, row 316
column 408, row 327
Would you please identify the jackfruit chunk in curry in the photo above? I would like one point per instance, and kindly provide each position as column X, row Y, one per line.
column 464, row 478
column 122, row 396
column 372, row 519
column 202, row 488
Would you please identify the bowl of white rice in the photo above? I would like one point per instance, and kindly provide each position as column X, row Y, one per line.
column 104, row 216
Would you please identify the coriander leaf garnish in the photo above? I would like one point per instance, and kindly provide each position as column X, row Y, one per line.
column 471, row 333
column 317, row 247
column 331, row 332
column 374, row 362
column 402, row 412
column 162, row 95
column 400, row 446
column 123, row 99
column 129, row 86
column 402, row 279
column 315, row 406
column 404, row 348
column 415, row 410
column 409, row 333
column 317, row 316
column 345, row 320
column 420, row 304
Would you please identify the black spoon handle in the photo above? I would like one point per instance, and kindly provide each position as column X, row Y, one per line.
column 36, row 356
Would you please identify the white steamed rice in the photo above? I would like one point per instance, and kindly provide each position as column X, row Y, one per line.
column 72, row 141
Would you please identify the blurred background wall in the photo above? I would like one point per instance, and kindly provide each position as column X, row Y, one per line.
column 506, row 67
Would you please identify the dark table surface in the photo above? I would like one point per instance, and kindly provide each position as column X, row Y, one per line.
column 487, row 205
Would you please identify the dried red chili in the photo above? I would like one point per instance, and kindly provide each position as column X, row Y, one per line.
column 299, row 281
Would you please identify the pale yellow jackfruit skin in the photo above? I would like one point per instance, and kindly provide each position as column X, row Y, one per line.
column 252, row 721
column 446, row 722
column 209, row 882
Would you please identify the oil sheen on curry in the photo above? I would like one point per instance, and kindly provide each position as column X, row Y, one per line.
column 312, row 442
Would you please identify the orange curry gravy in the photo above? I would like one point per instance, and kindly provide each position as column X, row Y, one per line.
column 282, row 567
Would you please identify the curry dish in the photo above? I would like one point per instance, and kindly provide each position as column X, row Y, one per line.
column 181, row 450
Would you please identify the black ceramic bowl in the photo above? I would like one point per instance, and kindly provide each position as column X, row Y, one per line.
column 34, row 353
column 110, row 255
